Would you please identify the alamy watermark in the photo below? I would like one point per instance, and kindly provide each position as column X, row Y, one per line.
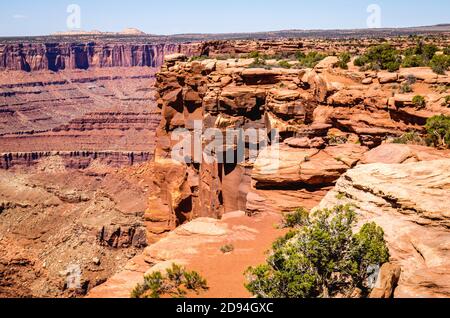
column 73, row 21
column 230, row 146
column 374, row 19
column 73, row 277
column 374, row 272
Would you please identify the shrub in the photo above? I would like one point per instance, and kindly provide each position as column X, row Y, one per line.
column 299, row 55
column 419, row 101
column 438, row 131
column 174, row 283
column 440, row 64
column 193, row 281
column 392, row 66
column 411, row 79
column 344, row 59
column 360, row 61
column 311, row 59
column 427, row 51
column 259, row 63
column 254, row 55
column 337, row 140
column 199, row 58
column 412, row 61
column 410, row 138
column 322, row 259
column 297, row 218
column 447, row 50
column 284, row 64
column 405, row 88
column 383, row 57
column 423, row 52
column 227, row 248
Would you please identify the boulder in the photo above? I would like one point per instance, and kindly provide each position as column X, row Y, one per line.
column 387, row 77
column 398, row 153
column 289, row 166
column 425, row 74
column 387, row 281
column 327, row 63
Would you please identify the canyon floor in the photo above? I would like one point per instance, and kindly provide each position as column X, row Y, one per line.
column 197, row 246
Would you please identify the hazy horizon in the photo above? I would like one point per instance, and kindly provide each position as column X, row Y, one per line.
column 32, row 18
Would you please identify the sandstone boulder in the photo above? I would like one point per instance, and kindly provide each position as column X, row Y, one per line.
column 289, row 166
column 398, row 153
column 387, row 77
column 326, row 63
column 425, row 74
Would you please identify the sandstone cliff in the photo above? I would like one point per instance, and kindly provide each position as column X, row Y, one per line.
column 59, row 56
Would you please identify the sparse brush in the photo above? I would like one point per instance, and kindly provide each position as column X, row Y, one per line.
column 419, row 101
column 344, row 59
column 227, row 248
column 410, row 138
column 174, row 283
column 297, row 218
column 284, row 64
column 405, row 88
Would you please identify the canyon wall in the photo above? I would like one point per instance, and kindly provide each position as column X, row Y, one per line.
column 83, row 115
column 68, row 56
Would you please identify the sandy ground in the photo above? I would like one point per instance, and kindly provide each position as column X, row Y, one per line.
column 251, row 237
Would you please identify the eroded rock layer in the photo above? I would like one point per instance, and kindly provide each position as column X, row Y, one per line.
column 409, row 202
column 68, row 56
column 81, row 115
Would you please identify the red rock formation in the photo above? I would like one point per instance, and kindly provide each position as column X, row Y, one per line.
column 326, row 118
column 69, row 56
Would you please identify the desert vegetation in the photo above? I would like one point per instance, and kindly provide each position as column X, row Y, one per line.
column 175, row 283
column 438, row 131
column 320, row 257
column 387, row 57
column 437, row 134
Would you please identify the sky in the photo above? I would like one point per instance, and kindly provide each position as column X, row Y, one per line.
column 42, row 17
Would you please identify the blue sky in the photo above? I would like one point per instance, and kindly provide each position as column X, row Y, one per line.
column 38, row 17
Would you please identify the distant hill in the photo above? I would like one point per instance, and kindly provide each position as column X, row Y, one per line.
column 138, row 36
column 128, row 31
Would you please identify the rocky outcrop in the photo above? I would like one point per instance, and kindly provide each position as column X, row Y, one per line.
column 55, row 222
column 326, row 119
column 406, row 200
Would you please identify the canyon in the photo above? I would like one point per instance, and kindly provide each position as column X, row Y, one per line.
column 86, row 137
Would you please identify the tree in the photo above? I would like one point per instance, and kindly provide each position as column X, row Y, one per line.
column 174, row 283
column 440, row 64
column 438, row 131
column 323, row 258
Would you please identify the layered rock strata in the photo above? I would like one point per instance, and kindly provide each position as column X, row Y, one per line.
column 326, row 118
column 69, row 56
